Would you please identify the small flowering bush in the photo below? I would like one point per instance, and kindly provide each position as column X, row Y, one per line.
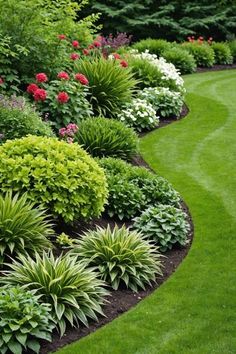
column 164, row 224
column 60, row 176
column 63, row 100
column 222, row 53
column 111, row 43
column 140, row 115
column 166, row 103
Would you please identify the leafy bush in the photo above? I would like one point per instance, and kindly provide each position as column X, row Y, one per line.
column 203, row 54
column 111, row 85
column 17, row 119
column 58, row 175
column 154, row 46
column 182, row 60
column 122, row 256
column 23, row 321
column 222, row 53
column 140, row 115
column 232, row 46
column 23, row 228
column 73, row 291
column 107, row 137
column 166, row 103
column 164, row 224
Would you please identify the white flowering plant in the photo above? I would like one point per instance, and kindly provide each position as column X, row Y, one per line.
column 140, row 115
column 166, row 103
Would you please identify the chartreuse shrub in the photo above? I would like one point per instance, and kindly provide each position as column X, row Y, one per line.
column 166, row 103
column 222, row 53
column 60, row 176
column 74, row 292
column 107, row 137
column 111, row 85
column 232, row 46
column 23, row 321
column 182, row 60
column 17, row 119
column 132, row 189
column 155, row 46
column 24, row 228
column 122, row 256
column 203, row 53
column 164, row 224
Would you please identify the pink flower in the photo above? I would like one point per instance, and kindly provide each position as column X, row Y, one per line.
column 75, row 44
column 31, row 88
column 1, row 80
column 124, row 63
column 40, row 95
column 116, row 56
column 82, row 79
column 41, row 77
column 63, row 75
column 72, row 129
column 74, row 56
column 63, row 97
column 61, row 36
column 85, row 51
column 70, row 140
column 62, row 132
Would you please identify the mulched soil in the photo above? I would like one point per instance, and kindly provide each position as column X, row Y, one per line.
column 121, row 300
column 216, row 68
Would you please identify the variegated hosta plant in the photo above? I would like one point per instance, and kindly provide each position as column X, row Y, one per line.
column 122, row 256
column 73, row 291
column 24, row 228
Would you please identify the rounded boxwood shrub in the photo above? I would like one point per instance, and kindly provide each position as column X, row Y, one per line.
column 122, row 256
column 222, row 53
column 60, row 176
column 203, row 54
column 18, row 119
column 182, row 60
column 164, row 224
column 155, row 46
column 232, row 46
column 107, row 137
column 24, row 228
column 23, row 321
column 73, row 291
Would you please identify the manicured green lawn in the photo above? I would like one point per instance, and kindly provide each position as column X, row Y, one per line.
column 195, row 310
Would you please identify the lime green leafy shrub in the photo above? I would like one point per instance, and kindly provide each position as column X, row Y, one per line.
column 203, row 54
column 182, row 60
column 232, row 46
column 155, row 46
column 58, row 175
column 222, row 53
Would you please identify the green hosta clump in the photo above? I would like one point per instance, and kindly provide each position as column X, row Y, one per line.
column 74, row 292
column 222, row 53
column 167, row 103
column 140, row 115
column 23, row 321
column 164, row 224
column 60, row 176
column 24, row 228
column 107, row 137
column 122, row 256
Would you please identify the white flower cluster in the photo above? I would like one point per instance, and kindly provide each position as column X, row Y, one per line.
column 168, row 70
column 140, row 115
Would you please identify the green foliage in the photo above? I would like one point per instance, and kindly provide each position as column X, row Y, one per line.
column 58, row 175
column 164, row 224
column 23, row 321
column 182, row 60
column 203, row 54
column 222, row 53
column 131, row 189
column 18, row 119
column 73, row 291
column 64, row 240
column 107, row 137
column 122, row 256
column 23, row 227
column 111, row 85
column 155, row 46
column 166, row 103
column 232, row 46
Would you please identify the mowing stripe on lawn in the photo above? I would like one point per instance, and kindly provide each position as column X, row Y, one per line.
column 194, row 311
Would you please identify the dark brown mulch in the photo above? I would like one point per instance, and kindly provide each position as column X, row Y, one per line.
column 216, row 68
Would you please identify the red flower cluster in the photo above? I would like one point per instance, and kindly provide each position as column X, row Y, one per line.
column 63, row 97
column 85, row 51
column 31, row 88
column 82, row 79
column 75, row 44
column 40, row 95
column 62, row 36
column 74, row 56
column 63, row 75
column 41, row 77
column 124, row 63
column 97, row 44
column 199, row 40
column 116, row 56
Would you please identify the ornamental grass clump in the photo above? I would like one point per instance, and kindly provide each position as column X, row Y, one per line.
column 73, row 291
column 60, row 176
column 164, row 224
column 24, row 227
column 123, row 257
column 24, row 321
